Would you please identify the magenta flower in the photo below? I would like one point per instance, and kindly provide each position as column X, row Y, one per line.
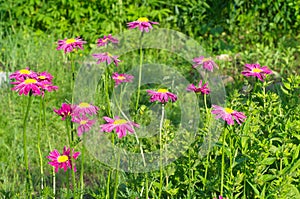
column 104, row 41
column 228, row 115
column 120, row 126
column 221, row 197
column 142, row 23
column 161, row 95
column 207, row 63
column 44, row 76
column 23, row 74
column 64, row 160
column 106, row 57
column 203, row 89
column 85, row 124
column 67, row 45
column 256, row 71
column 29, row 85
column 85, row 108
column 119, row 78
column 64, row 111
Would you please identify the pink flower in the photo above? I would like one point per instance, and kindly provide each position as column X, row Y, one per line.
column 228, row 115
column 120, row 126
column 23, row 74
column 221, row 197
column 44, row 76
column 256, row 71
column 65, row 111
column 85, row 124
column 207, row 63
column 203, row 89
column 29, row 85
column 64, row 160
column 104, row 41
column 142, row 23
column 85, row 108
column 161, row 95
column 69, row 44
column 119, row 78
column 106, row 57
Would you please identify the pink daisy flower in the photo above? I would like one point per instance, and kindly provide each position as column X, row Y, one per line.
column 221, row 197
column 44, row 76
column 64, row 111
column 85, row 124
column 106, row 57
column 119, row 78
column 120, row 126
column 142, row 23
column 23, row 74
column 29, row 85
column 203, row 89
column 104, row 41
column 161, row 95
column 64, row 160
column 67, row 45
column 207, row 63
column 228, row 114
column 256, row 71
column 85, row 108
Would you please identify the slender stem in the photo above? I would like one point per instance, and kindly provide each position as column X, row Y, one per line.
column 117, row 177
column 160, row 149
column 140, row 73
column 107, row 185
column 223, row 161
column 82, row 168
column 68, row 184
column 106, row 82
column 39, row 145
column 28, row 176
column 209, row 142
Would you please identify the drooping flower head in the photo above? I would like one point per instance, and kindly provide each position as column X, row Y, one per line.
column 64, row 160
column 121, row 126
column 228, row 115
column 106, row 39
column 23, row 74
column 85, row 124
column 64, row 111
column 203, row 89
column 207, row 63
column 67, row 45
column 84, row 108
column 106, row 57
column 142, row 23
column 256, row 71
column 120, row 78
column 161, row 95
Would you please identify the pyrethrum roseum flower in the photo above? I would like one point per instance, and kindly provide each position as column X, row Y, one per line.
column 64, row 160
column 45, row 76
column 106, row 57
column 207, row 63
column 142, row 23
column 256, row 71
column 64, row 111
column 161, row 95
column 84, row 108
column 121, row 126
column 221, row 197
column 23, row 74
column 67, row 45
column 228, row 115
column 120, row 78
column 29, row 85
column 203, row 89
column 106, row 39
column 85, row 124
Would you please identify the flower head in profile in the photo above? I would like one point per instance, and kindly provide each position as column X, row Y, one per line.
column 256, row 71
column 120, row 78
column 84, row 108
column 121, row 126
column 106, row 57
column 68, row 45
column 203, row 89
column 64, row 111
column 44, row 76
column 85, row 124
column 142, row 23
column 64, row 160
column 106, row 39
column 207, row 63
column 161, row 95
column 228, row 115
column 23, row 74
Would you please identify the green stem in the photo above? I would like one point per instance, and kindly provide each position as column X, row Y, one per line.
column 28, row 176
column 140, row 73
column 39, row 145
column 107, row 185
column 160, row 150
column 106, row 82
column 223, row 161
column 117, row 177
column 209, row 142
column 68, row 184
column 82, row 168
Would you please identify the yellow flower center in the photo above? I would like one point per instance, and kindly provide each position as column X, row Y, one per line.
column 256, row 70
column 143, row 19
column 62, row 158
column 30, row 81
column 84, row 105
column 229, row 110
column 162, row 90
column 42, row 77
column 83, row 122
column 120, row 121
column 121, row 77
column 24, row 72
column 70, row 41
column 105, row 40
column 206, row 59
